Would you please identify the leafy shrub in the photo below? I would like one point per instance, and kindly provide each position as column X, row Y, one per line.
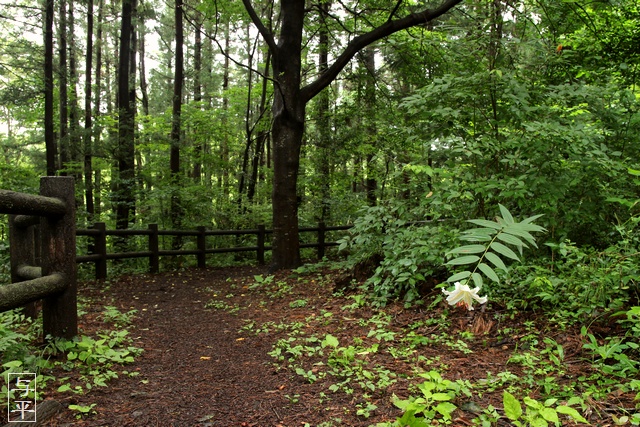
column 406, row 254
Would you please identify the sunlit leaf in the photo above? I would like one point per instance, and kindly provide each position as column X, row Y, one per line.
column 512, row 408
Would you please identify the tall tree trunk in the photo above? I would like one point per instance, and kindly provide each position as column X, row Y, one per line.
column 176, row 140
column 49, row 133
column 370, row 183
column 197, row 98
column 144, row 182
column 324, row 130
column 288, row 127
column 262, row 138
column 96, row 109
column 224, row 144
column 74, row 108
column 125, row 153
column 289, row 105
column 62, row 88
column 88, row 152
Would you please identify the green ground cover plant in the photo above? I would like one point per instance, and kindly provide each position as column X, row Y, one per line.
column 89, row 360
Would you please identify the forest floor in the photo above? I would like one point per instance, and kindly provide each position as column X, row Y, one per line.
column 207, row 336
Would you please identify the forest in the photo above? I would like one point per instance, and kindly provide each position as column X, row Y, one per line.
column 485, row 144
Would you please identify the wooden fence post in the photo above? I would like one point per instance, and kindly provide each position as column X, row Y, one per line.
column 23, row 246
column 202, row 247
column 321, row 238
column 261, row 239
column 58, row 237
column 154, row 259
column 100, row 248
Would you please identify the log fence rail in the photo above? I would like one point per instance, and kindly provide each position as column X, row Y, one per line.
column 100, row 255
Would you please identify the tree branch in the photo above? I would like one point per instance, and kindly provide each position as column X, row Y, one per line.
column 264, row 31
column 360, row 42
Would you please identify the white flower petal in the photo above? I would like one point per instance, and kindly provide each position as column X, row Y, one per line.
column 464, row 294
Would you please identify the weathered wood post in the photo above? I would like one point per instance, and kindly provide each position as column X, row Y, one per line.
column 202, row 247
column 154, row 259
column 22, row 253
column 58, row 237
column 321, row 238
column 100, row 248
column 261, row 239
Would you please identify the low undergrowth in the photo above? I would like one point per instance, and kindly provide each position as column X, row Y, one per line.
column 68, row 366
column 443, row 365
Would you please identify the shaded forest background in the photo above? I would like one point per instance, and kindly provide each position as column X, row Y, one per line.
column 162, row 112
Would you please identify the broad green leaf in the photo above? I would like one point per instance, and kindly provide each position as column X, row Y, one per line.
column 512, row 408
column 476, row 238
column 532, row 403
column 330, row 341
column 468, row 259
column 485, row 223
column 459, row 276
column 503, row 250
column 478, row 235
column 477, row 280
column 633, row 172
column 506, row 215
column 516, row 230
column 550, row 415
column 441, row 396
column 467, row 249
column 488, row 271
column 446, row 409
column 531, row 219
column 497, row 261
column 567, row 410
column 512, row 240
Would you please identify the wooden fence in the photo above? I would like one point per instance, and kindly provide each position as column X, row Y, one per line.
column 100, row 256
column 42, row 230
column 53, row 244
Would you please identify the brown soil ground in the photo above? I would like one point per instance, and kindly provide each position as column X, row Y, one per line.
column 200, row 368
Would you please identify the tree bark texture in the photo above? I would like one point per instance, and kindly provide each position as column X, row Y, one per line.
column 125, row 153
column 49, row 132
column 176, row 125
column 88, row 124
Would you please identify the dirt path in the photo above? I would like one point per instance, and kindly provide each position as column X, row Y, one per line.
column 195, row 370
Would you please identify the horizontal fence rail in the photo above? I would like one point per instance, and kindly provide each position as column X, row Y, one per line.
column 99, row 255
column 42, row 228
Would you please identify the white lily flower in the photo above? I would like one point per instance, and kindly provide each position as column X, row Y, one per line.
column 463, row 295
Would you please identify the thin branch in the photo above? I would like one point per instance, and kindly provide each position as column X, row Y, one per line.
column 264, row 31
column 213, row 38
column 360, row 42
